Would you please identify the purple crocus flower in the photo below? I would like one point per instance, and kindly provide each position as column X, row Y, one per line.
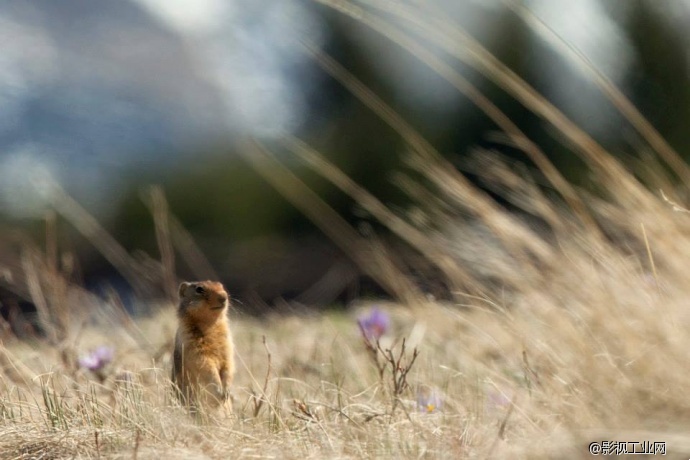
column 498, row 399
column 375, row 324
column 97, row 359
column 428, row 400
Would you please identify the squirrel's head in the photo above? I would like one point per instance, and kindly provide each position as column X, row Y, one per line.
column 203, row 299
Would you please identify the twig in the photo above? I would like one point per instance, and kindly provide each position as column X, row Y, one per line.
column 373, row 349
column 137, row 438
column 501, row 430
column 649, row 254
column 529, row 372
column 399, row 370
column 258, row 402
column 675, row 206
column 98, row 446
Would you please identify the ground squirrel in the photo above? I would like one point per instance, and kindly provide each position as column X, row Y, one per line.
column 203, row 362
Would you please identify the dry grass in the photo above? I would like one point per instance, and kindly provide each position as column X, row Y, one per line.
column 557, row 335
column 603, row 349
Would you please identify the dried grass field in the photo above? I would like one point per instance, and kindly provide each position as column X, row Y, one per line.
column 594, row 352
column 557, row 335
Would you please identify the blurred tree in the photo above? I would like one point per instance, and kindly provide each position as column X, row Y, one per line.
column 660, row 78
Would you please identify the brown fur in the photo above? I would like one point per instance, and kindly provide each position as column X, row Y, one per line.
column 203, row 361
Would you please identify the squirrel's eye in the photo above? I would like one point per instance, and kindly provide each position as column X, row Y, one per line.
column 199, row 290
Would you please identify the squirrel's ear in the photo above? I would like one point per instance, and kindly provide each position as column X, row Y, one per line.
column 182, row 288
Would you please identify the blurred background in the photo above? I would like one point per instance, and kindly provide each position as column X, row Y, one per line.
column 100, row 100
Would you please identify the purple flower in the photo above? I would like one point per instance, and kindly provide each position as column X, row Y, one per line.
column 428, row 399
column 375, row 324
column 497, row 399
column 97, row 359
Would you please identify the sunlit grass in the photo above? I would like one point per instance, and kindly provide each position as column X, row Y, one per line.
column 324, row 396
column 561, row 328
column 603, row 350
